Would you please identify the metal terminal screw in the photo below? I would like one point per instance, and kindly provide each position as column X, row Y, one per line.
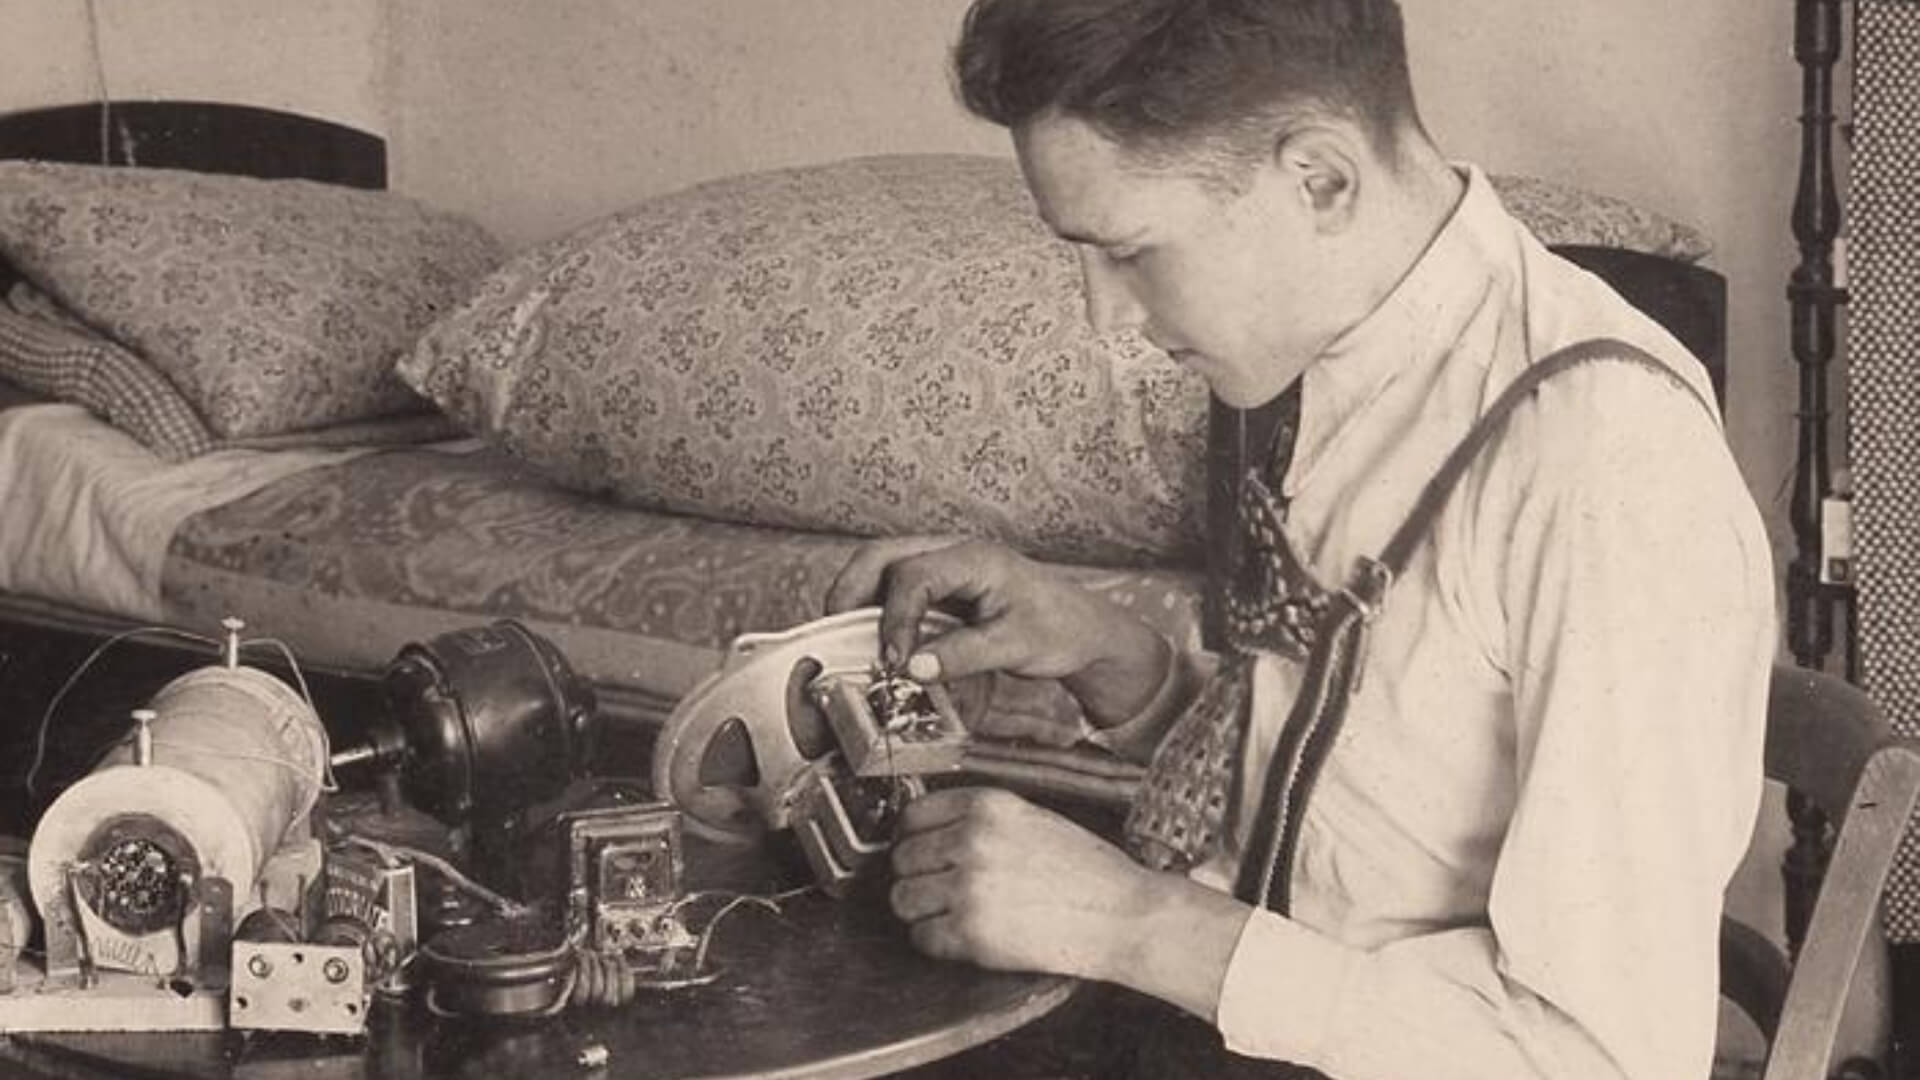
column 259, row 966
column 335, row 970
column 143, row 736
column 232, row 625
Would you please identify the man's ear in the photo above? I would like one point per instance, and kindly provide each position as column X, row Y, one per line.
column 1323, row 167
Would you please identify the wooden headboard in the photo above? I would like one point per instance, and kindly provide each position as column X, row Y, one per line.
column 199, row 135
column 1686, row 298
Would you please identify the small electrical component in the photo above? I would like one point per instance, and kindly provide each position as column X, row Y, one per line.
column 371, row 903
column 16, row 918
column 891, row 730
column 141, row 869
column 620, row 930
column 625, row 871
column 801, row 730
column 298, row 986
column 890, row 725
column 135, row 873
column 844, row 822
column 498, row 969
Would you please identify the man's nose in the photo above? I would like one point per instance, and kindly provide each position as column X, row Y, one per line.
column 1111, row 305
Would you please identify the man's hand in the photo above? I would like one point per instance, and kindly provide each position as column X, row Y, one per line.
column 1022, row 619
column 985, row 876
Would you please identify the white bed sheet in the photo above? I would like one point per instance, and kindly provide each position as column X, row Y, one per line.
column 87, row 512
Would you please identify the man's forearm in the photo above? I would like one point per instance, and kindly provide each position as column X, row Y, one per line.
column 1175, row 942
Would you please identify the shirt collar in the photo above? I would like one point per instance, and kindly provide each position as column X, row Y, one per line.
column 1416, row 325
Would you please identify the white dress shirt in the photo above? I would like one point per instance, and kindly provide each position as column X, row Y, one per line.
column 1516, row 856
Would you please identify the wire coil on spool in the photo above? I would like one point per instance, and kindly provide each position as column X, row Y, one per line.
column 217, row 782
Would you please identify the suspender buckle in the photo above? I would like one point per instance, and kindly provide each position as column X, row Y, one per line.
column 1368, row 590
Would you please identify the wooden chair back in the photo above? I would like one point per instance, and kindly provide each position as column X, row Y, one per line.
column 1828, row 741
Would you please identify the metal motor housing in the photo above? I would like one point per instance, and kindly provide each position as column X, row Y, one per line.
column 488, row 720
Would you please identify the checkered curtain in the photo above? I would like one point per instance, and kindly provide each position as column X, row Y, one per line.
column 1883, row 372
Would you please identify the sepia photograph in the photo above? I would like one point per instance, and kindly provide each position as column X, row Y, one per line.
column 948, row 539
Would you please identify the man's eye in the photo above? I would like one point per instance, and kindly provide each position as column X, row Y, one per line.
column 1123, row 254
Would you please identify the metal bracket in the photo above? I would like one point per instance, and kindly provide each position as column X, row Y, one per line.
column 298, row 986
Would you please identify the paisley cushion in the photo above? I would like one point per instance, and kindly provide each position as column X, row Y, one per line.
column 1562, row 214
column 873, row 346
column 272, row 305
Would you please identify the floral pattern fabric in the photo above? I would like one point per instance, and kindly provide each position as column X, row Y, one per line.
column 43, row 349
column 1562, row 215
column 478, row 534
column 272, row 305
column 872, row 346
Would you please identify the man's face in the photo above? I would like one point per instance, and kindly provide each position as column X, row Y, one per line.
column 1232, row 284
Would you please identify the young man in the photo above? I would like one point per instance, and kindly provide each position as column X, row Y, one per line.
column 1513, row 860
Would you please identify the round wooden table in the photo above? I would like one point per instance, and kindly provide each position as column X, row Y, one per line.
column 825, row 988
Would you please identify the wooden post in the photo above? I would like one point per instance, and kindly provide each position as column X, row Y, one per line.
column 1813, row 298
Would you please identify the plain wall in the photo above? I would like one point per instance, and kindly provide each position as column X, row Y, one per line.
column 319, row 57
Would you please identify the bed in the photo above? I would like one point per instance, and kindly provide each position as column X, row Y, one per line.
column 576, row 447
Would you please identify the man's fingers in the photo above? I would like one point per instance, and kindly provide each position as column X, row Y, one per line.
column 939, row 937
column 929, row 851
column 918, row 582
column 936, row 809
column 972, row 650
column 922, row 896
column 858, row 583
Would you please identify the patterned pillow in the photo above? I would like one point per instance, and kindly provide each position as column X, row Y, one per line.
column 1562, row 214
column 272, row 305
column 873, row 346
column 43, row 349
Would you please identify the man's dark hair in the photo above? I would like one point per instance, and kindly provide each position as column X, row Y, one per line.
column 1167, row 75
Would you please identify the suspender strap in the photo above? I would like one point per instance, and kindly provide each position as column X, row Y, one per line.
column 1433, row 498
column 1335, row 665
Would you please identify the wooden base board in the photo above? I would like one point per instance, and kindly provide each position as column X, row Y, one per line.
column 117, row 1001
